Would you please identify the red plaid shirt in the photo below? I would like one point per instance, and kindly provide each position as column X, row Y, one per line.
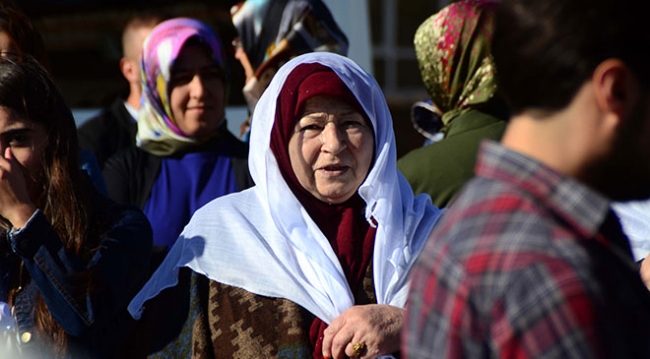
column 526, row 263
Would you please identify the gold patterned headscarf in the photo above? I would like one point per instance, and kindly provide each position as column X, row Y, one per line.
column 453, row 52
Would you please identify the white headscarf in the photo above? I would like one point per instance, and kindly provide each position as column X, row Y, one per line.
column 263, row 240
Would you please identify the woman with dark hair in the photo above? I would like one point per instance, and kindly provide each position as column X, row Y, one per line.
column 19, row 37
column 186, row 156
column 71, row 259
column 313, row 260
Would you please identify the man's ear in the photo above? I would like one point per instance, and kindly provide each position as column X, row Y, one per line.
column 616, row 88
column 128, row 70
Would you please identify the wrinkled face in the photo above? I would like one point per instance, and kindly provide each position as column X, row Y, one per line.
column 331, row 149
column 27, row 141
column 198, row 93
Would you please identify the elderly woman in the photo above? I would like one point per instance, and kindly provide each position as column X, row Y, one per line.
column 186, row 156
column 313, row 260
column 70, row 259
column 454, row 54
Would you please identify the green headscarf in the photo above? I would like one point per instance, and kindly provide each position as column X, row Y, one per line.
column 453, row 52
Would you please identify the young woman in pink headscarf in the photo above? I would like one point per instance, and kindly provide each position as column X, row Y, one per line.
column 186, row 156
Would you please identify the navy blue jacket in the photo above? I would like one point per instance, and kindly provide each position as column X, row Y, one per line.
column 96, row 321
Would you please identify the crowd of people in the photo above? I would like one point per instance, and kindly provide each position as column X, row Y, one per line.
column 152, row 231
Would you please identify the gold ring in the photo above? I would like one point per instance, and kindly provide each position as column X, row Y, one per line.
column 359, row 348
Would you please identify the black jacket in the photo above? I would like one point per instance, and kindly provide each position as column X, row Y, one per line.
column 110, row 131
column 131, row 173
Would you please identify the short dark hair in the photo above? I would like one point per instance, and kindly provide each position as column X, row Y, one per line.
column 545, row 50
column 141, row 18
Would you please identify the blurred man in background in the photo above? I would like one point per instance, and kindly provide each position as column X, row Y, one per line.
column 115, row 126
column 530, row 260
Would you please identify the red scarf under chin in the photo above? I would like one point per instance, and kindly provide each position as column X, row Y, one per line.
column 344, row 225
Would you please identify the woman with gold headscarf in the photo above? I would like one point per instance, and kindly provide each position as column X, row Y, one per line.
column 453, row 52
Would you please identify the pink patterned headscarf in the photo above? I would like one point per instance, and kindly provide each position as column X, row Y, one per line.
column 453, row 48
column 157, row 130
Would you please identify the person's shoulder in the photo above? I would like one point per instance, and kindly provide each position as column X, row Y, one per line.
column 102, row 130
column 432, row 163
column 129, row 166
column 477, row 125
column 238, row 148
column 95, row 131
column 103, row 119
column 129, row 157
column 429, row 169
column 233, row 204
column 498, row 233
column 112, row 212
column 442, row 158
column 119, row 220
column 499, row 216
column 229, row 217
column 492, row 194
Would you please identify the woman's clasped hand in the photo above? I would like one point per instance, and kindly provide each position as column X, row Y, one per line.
column 364, row 331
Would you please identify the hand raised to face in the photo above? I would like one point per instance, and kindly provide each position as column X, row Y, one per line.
column 22, row 144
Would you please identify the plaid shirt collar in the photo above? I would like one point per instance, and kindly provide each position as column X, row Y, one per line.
column 580, row 206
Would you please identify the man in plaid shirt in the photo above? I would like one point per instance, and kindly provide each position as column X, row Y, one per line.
column 530, row 261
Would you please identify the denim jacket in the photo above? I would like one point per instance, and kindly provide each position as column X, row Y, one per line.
column 97, row 324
